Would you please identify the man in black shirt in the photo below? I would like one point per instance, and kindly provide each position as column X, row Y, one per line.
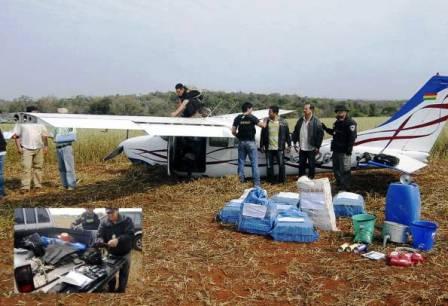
column 189, row 103
column 344, row 136
column 117, row 231
column 244, row 129
column 88, row 220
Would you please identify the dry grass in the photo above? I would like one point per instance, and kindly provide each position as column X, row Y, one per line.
column 190, row 259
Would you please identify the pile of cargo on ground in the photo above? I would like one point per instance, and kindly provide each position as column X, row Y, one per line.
column 298, row 217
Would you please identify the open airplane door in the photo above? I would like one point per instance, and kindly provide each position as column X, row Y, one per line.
column 170, row 155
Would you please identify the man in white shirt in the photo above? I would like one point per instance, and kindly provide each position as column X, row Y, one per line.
column 32, row 143
column 309, row 133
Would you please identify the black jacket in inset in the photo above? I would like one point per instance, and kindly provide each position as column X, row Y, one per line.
column 344, row 135
column 2, row 142
column 283, row 135
column 123, row 229
column 315, row 132
column 89, row 221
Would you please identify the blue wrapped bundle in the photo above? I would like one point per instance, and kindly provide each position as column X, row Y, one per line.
column 294, row 225
column 230, row 213
column 347, row 204
column 285, row 200
column 257, row 218
column 257, row 213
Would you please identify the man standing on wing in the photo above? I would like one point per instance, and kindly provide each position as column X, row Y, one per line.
column 309, row 133
column 344, row 136
column 244, row 129
column 274, row 138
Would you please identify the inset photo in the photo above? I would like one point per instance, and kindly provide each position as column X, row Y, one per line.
column 74, row 250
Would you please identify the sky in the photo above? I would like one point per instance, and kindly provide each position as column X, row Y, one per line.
column 334, row 48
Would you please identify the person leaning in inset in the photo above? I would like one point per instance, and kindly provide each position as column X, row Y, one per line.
column 309, row 134
column 244, row 129
column 189, row 102
column 273, row 140
column 344, row 135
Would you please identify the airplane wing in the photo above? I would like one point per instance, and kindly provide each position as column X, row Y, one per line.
column 161, row 126
column 262, row 113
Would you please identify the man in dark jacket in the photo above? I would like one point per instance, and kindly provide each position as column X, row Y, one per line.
column 309, row 133
column 189, row 103
column 89, row 220
column 274, row 138
column 344, row 136
column 117, row 231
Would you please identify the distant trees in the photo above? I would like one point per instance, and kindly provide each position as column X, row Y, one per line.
column 162, row 103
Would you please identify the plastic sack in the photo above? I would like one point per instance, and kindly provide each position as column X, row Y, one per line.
column 294, row 225
column 347, row 204
column 317, row 202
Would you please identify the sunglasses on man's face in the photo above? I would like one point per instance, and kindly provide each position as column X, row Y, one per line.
column 110, row 212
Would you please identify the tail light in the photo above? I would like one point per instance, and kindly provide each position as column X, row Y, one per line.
column 24, row 278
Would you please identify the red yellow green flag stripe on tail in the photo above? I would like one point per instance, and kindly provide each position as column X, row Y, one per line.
column 429, row 96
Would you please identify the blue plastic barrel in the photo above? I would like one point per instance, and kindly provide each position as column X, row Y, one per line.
column 423, row 234
column 403, row 203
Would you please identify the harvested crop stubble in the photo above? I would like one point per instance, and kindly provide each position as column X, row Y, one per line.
column 191, row 259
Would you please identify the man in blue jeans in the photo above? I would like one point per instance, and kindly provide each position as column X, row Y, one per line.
column 244, row 129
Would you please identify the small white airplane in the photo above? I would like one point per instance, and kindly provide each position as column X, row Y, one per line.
column 206, row 146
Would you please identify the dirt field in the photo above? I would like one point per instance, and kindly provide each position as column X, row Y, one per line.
column 190, row 259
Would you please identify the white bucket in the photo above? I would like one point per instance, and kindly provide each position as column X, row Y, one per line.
column 395, row 232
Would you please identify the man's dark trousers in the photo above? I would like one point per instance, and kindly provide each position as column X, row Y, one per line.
column 280, row 157
column 307, row 157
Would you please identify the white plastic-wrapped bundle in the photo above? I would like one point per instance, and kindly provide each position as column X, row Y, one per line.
column 317, row 202
column 285, row 200
column 347, row 204
column 257, row 213
column 294, row 225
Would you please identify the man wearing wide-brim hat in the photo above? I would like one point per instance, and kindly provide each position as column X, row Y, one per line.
column 344, row 135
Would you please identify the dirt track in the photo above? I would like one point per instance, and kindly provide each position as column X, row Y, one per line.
column 191, row 259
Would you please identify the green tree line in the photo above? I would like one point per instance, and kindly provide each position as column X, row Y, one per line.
column 162, row 103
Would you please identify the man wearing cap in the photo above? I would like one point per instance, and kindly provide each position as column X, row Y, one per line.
column 89, row 220
column 309, row 134
column 63, row 139
column 344, row 136
column 117, row 231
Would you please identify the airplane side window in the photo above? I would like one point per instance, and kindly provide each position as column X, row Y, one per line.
column 219, row 142
column 18, row 216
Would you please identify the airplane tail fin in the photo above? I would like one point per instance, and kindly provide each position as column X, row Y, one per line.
column 416, row 125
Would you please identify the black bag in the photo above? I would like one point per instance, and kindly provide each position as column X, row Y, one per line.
column 93, row 257
column 387, row 160
column 33, row 243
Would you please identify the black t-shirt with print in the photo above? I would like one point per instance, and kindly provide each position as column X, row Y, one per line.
column 245, row 125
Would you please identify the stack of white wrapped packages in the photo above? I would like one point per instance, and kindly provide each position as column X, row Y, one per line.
column 317, row 202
